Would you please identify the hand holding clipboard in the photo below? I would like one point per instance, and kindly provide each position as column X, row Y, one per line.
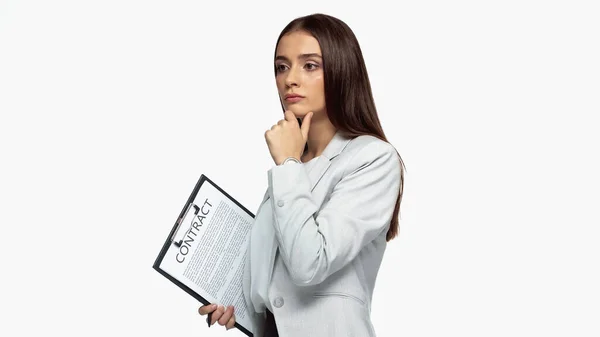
column 228, row 313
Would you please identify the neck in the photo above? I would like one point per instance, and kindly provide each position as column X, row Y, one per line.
column 319, row 135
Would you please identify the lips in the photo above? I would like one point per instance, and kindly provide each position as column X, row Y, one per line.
column 293, row 97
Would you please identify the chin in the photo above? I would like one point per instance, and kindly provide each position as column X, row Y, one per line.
column 300, row 113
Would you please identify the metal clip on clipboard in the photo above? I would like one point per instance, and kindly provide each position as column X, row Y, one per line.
column 188, row 217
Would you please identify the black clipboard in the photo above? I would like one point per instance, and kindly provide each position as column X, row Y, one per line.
column 191, row 208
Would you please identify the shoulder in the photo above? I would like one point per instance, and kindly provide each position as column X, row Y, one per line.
column 367, row 150
column 367, row 147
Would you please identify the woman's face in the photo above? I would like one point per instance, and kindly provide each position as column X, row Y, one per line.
column 299, row 71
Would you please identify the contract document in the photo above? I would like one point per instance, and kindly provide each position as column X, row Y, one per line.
column 205, row 251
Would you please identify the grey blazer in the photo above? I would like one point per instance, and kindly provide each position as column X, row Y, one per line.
column 330, row 227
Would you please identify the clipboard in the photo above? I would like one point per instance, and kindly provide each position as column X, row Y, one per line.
column 179, row 230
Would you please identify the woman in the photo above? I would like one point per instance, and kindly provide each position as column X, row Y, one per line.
column 333, row 196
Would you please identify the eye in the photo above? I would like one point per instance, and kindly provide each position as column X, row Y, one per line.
column 312, row 66
column 279, row 67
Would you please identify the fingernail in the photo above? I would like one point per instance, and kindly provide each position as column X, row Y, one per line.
column 214, row 306
column 221, row 307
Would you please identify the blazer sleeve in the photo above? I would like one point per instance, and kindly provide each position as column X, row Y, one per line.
column 360, row 207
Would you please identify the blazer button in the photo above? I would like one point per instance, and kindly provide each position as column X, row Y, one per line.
column 278, row 303
column 280, row 203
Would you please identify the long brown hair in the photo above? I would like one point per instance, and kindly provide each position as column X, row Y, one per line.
column 348, row 96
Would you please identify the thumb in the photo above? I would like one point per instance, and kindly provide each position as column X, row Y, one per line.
column 306, row 125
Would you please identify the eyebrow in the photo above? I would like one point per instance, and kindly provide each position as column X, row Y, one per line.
column 301, row 56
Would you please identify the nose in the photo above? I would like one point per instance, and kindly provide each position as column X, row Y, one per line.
column 291, row 78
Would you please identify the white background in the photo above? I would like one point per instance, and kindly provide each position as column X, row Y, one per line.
column 111, row 110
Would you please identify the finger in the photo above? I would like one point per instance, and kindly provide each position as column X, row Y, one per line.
column 217, row 314
column 289, row 116
column 231, row 323
column 206, row 309
column 306, row 125
column 226, row 316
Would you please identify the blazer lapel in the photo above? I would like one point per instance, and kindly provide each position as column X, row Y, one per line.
column 333, row 148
